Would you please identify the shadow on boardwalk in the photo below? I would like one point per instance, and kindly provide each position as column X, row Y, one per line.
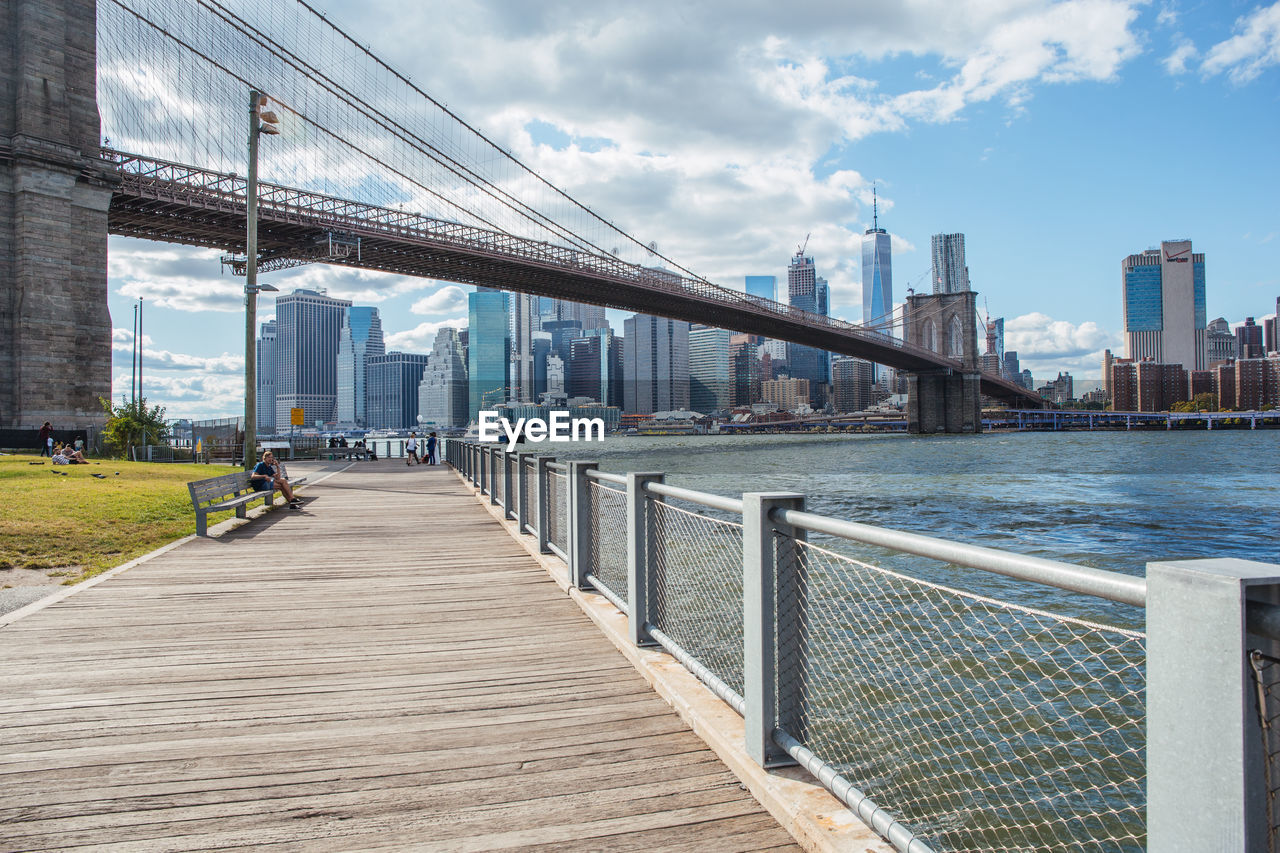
column 385, row 668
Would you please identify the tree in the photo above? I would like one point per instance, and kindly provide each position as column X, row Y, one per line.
column 132, row 424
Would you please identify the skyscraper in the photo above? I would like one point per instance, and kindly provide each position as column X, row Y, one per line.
column 763, row 286
column 1249, row 340
column 710, row 376
column 851, row 385
column 808, row 291
column 877, row 275
column 267, row 379
column 1221, row 341
column 442, row 395
column 393, row 390
column 655, row 365
column 525, row 319
column 488, row 349
column 595, row 367
column 308, row 328
column 877, row 278
column 361, row 337
column 1164, row 306
column 950, row 275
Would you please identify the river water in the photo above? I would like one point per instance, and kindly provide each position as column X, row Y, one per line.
column 983, row 726
column 1112, row 500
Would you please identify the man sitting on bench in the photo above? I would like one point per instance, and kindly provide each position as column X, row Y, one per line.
column 268, row 474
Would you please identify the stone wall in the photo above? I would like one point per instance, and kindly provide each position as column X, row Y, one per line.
column 948, row 400
column 55, row 330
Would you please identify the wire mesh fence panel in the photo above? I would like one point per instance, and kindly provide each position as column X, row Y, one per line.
column 498, row 490
column 980, row 725
column 530, row 486
column 1266, row 674
column 609, row 538
column 557, row 519
column 695, row 565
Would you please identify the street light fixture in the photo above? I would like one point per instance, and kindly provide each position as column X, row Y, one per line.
column 260, row 122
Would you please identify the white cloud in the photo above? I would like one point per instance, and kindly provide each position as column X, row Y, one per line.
column 188, row 395
column 421, row 337
column 1045, row 345
column 1176, row 62
column 1254, row 48
column 446, row 299
column 163, row 359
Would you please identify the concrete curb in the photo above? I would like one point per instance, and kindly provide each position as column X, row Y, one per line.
column 215, row 531
column 816, row 820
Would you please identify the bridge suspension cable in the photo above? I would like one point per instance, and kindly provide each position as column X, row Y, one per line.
column 172, row 77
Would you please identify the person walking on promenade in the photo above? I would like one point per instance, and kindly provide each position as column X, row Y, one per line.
column 431, row 449
column 411, row 449
column 46, row 439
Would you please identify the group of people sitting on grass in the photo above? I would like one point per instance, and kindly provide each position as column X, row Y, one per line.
column 65, row 454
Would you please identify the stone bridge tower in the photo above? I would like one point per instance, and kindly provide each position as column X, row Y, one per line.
column 55, row 331
column 945, row 400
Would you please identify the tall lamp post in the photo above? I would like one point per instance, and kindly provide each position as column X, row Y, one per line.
column 260, row 122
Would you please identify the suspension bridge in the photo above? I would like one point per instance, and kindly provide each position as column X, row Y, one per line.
column 368, row 171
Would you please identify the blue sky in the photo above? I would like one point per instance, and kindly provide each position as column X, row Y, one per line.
column 1059, row 137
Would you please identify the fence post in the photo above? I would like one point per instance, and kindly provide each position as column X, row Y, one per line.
column 494, row 453
column 544, row 509
column 508, row 499
column 640, row 528
column 581, row 562
column 522, row 482
column 1206, row 761
column 769, row 567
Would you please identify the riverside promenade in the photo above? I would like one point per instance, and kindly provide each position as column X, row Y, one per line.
column 387, row 668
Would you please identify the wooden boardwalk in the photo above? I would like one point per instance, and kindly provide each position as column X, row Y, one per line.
column 385, row 669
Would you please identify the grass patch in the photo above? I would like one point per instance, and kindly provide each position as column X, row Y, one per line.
column 78, row 526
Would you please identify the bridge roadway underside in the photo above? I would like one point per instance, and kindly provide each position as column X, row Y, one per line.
column 177, row 214
column 385, row 669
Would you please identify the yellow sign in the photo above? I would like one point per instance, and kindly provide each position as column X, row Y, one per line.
column 295, row 417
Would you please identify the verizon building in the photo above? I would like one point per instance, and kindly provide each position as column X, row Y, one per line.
column 1164, row 306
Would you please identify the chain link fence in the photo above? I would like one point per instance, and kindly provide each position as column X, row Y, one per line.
column 982, row 725
column 498, row 488
column 696, row 587
column 557, row 518
column 1266, row 675
column 609, row 538
column 527, row 501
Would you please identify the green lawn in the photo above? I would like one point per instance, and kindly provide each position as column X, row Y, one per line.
column 76, row 526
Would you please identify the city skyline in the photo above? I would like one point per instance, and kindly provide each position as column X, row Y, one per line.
column 956, row 130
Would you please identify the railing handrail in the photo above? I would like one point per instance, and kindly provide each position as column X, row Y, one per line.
column 704, row 498
column 1101, row 583
column 606, row 477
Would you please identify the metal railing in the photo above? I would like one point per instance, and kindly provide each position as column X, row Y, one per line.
column 947, row 720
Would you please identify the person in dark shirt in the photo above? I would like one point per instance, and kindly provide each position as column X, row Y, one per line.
column 431, row 449
column 267, row 474
column 46, row 439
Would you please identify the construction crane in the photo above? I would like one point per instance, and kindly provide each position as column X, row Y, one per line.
column 800, row 249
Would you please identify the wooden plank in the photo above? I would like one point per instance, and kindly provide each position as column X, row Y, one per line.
column 385, row 668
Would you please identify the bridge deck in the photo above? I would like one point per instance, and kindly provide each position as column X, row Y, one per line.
column 386, row 668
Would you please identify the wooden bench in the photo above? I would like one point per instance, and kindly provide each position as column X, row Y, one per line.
column 334, row 454
column 230, row 491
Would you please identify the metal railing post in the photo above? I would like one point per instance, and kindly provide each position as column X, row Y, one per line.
column 1206, row 783
column 544, row 509
column 484, row 468
column 507, row 499
column 640, row 528
column 522, row 483
column 581, row 562
column 493, row 475
column 768, row 589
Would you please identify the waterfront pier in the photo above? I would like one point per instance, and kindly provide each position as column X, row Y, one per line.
column 385, row 668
